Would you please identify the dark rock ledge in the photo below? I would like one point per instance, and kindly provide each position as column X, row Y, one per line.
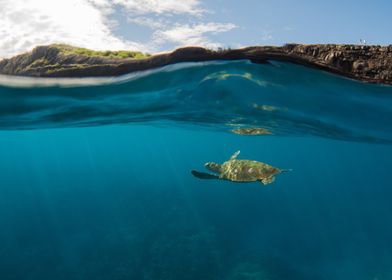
column 365, row 63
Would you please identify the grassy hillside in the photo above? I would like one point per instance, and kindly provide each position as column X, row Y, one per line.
column 67, row 49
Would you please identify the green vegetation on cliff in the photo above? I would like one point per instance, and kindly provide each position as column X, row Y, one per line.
column 67, row 49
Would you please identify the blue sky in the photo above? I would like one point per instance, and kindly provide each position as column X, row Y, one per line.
column 306, row 21
column 160, row 25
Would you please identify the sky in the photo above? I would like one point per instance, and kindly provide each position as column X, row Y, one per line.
column 161, row 25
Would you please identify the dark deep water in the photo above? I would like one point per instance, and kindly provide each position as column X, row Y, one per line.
column 95, row 178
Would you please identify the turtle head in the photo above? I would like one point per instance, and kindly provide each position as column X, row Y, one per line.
column 212, row 166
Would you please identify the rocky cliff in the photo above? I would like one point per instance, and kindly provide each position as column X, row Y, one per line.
column 365, row 63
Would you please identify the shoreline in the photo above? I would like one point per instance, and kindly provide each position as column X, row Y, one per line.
column 371, row 64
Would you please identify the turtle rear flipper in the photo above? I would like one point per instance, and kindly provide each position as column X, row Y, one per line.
column 202, row 175
column 268, row 180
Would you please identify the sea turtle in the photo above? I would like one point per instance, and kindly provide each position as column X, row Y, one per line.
column 251, row 131
column 240, row 171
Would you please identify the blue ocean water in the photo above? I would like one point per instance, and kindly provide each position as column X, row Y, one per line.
column 95, row 178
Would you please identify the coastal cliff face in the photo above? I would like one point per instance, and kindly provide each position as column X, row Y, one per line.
column 365, row 63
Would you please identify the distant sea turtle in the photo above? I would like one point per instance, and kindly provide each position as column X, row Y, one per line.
column 251, row 131
column 240, row 171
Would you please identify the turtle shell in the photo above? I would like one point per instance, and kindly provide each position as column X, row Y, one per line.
column 246, row 170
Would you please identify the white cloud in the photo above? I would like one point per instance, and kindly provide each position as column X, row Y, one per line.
column 266, row 36
column 192, row 34
column 149, row 22
column 27, row 23
column 288, row 28
column 90, row 23
column 191, row 7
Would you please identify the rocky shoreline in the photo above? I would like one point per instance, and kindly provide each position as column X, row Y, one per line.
column 371, row 64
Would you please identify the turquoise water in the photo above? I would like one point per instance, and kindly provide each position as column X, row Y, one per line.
column 95, row 178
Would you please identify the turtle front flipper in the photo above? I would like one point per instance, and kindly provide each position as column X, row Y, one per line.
column 203, row 175
column 235, row 155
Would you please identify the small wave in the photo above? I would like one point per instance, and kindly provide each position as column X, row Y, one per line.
column 283, row 98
